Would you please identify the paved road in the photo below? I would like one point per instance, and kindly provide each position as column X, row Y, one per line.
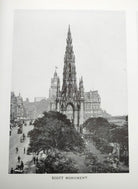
column 15, row 142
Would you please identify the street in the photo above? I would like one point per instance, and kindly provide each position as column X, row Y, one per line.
column 15, row 143
column 29, row 165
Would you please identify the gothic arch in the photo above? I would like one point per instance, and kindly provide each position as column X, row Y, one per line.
column 70, row 111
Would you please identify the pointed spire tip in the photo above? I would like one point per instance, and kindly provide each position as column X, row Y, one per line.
column 69, row 28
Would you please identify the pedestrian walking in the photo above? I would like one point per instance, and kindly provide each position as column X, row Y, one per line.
column 34, row 159
column 22, row 165
column 12, row 171
column 117, row 161
column 23, row 136
column 16, row 150
column 24, row 150
column 19, row 158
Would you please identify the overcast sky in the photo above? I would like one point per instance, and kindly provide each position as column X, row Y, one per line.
column 99, row 43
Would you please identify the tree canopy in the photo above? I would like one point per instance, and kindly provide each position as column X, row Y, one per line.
column 104, row 133
column 54, row 130
column 100, row 127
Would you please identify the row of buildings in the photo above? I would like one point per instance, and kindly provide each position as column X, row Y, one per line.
column 17, row 108
column 24, row 109
column 20, row 109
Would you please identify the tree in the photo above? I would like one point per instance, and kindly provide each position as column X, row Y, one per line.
column 54, row 130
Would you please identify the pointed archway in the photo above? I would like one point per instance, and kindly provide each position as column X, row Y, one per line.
column 70, row 112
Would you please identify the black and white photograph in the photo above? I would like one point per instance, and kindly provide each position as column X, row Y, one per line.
column 68, row 100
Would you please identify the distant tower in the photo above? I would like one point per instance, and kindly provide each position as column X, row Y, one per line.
column 54, row 90
column 68, row 101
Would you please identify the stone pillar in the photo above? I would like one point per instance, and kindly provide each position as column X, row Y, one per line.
column 81, row 117
column 58, row 109
column 76, row 119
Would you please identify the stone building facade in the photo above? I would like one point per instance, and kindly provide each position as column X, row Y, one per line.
column 38, row 99
column 13, row 107
column 71, row 99
column 92, row 105
column 17, row 109
column 35, row 109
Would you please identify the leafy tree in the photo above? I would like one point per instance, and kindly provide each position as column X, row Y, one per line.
column 54, row 130
column 98, row 126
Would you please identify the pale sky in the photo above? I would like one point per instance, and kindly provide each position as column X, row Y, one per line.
column 99, row 43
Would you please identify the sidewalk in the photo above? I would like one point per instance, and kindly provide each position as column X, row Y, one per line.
column 15, row 142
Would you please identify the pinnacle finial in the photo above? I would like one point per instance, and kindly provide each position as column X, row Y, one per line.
column 69, row 38
column 81, row 79
column 69, row 29
column 55, row 73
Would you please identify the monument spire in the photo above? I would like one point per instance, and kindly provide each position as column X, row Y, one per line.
column 71, row 99
column 69, row 29
column 69, row 87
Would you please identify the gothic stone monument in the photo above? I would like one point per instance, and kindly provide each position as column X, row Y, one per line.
column 72, row 100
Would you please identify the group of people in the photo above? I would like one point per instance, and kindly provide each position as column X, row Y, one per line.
column 20, row 163
column 19, row 166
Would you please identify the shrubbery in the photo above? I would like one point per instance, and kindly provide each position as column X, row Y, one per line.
column 56, row 163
